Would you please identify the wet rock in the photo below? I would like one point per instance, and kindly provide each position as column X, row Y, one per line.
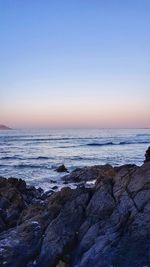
column 80, row 185
column 40, row 190
column 55, row 187
column 62, row 168
column 53, row 181
column 65, row 182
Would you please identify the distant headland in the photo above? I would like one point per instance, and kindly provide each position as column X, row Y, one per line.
column 4, row 127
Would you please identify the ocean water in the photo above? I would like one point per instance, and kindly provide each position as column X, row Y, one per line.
column 34, row 155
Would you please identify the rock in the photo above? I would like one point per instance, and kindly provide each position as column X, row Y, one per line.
column 18, row 183
column 19, row 245
column 47, row 194
column 2, row 224
column 15, row 196
column 62, row 232
column 4, row 203
column 90, row 173
column 53, row 181
column 81, row 185
column 65, row 182
column 55, row 187
column 147, row 155
column 61, row 264
column 115, row 224
column 107, row 225
column 40, row 190
column 62, row 168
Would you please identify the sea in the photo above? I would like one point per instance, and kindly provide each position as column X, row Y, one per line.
column 34, row 155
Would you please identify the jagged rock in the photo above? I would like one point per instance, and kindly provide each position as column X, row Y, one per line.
column 20, row 244
column 15, row 196
column 62, row 232
column 115, row 228
column 90, row 173
column 108, row 225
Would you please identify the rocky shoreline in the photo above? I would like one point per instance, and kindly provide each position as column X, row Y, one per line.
column 102, row 226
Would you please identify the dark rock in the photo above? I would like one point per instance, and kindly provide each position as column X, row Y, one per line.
column 55, row 187
column 62, row 168
column 18, row 183
column 19, row 245
column 3, row 214
column 4, row 203
column 147, row 155
column 12, row 217
column 2, row 224
column 40, row 190
column 108, row 225
column 90, row 173
column 80, row 185
column 53, row 181
column 47, row 194
column 15, row 196
column 62, row 232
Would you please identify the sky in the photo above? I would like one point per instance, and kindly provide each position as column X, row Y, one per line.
column 75, row 63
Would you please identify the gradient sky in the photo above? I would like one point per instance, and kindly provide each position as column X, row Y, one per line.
column 75, row 63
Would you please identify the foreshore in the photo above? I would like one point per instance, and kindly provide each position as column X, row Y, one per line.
column 107, row 224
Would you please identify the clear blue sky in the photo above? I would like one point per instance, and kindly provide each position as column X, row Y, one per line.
column 81, row 62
